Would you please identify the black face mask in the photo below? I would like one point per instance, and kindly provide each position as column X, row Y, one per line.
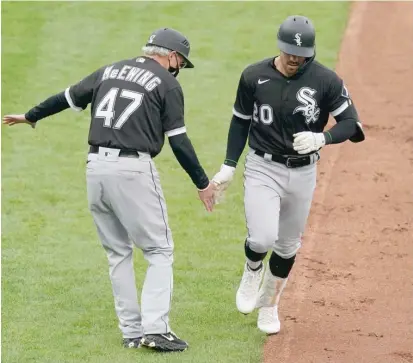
column 174, row 71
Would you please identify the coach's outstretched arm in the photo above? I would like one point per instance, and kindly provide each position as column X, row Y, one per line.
column 175, row 129
column 56, row 103
column 51, row 106
column 185, row 154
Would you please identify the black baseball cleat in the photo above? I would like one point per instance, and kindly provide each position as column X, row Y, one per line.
column 132, row 342
column 164, row 342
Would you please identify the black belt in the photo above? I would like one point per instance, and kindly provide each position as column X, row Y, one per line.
column 122, row 152
column 292, row 161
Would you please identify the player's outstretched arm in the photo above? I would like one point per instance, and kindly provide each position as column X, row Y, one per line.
column 238, row 132
column 237, row 138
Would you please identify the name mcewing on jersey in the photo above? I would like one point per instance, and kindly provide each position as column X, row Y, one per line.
column 137, row 75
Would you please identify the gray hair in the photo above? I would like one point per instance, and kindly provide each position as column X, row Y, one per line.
column 152, row 50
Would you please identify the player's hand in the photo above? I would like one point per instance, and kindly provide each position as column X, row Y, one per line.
column 17, row 119
column 307, row 142
column 207, row 196
column 221, row 180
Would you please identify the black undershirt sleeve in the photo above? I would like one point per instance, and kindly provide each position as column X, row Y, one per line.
column 237, row 138
column 340, row 132
column 51, row 106
column 185, row 154
column 345, row 127
column 341, row 107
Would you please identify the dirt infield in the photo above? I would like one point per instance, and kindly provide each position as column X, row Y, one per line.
column 350, row 297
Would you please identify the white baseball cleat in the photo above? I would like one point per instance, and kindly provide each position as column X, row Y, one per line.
column 269, row 297
column 268, row 321
column 247, row 294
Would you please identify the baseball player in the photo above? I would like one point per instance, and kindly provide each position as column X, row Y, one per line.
column 134, row 104
column 282, row 106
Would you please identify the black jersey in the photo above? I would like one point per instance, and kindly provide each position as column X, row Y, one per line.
column 281, row 106
column 134, row 104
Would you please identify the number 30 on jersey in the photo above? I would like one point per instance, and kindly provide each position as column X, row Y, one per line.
column 263, row 113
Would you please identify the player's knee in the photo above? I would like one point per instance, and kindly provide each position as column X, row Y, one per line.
column 263, row 244
column 159, row 255
column 287, row 247
column 116, row 251
column 280, row 266
column 263, row 241
column 254, row 252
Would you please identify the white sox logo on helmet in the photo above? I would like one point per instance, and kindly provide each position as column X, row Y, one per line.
column 309, row 107
column 297, row 39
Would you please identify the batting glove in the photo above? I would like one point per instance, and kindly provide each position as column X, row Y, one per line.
column 222, row 179
column 307, row 142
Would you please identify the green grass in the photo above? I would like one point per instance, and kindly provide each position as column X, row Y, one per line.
column 56, row 298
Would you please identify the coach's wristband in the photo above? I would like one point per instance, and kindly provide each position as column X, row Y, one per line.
column 202, row 190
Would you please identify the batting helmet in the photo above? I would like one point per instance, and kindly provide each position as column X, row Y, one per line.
column 173, row 40
column 296, row 36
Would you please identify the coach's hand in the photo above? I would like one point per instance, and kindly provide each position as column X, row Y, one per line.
column 222, row 179
column 307, row 142
column 17, row 119
column 207, row 196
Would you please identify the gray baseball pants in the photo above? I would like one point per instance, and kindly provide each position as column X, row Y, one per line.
column 277, row 203
column 128, row 207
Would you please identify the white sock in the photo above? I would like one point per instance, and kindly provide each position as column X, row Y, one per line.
column 253, row 265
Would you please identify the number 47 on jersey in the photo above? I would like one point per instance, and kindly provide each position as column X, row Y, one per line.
column 106, row 107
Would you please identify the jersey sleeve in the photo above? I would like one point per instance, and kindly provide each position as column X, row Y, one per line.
column 341, row 107
column 338, row 98
column 173, row 112
column 79, row 95
column 244, row 101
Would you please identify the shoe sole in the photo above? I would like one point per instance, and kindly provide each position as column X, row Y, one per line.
column 161, row 350
column 127, row 346
column 246, row 312
column 256, row 300
column 139, row 347
column 269, row 333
